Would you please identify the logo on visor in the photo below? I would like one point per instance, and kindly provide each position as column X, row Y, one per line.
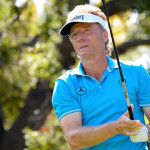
column 78, row 17
column 81, row 90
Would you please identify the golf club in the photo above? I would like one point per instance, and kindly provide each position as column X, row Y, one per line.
column 118, row 62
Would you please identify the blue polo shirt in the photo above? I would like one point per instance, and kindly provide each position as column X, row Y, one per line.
column 102, row 102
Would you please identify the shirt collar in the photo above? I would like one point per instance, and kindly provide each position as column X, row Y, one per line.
column 112, row 64
column 79, row 70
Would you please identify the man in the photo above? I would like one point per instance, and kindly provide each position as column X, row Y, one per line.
column 89, row 100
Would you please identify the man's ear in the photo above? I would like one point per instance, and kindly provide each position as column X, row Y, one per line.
column 105, row 36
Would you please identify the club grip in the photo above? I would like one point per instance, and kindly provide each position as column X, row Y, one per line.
column 130, row 113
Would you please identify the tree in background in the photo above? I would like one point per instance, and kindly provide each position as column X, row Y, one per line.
column 33, row 55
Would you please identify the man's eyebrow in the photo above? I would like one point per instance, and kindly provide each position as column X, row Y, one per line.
column 85, row 26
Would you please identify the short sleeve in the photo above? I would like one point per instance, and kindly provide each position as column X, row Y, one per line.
column 144, row 87
column 63, row 101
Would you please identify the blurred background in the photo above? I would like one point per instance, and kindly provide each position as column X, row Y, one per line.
column 33, row 55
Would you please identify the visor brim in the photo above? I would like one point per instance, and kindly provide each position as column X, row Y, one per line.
column 65, row 30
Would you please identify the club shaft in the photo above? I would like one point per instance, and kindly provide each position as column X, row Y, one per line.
column 118, row 62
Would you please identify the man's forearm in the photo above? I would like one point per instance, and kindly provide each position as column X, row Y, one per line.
column 79, row 136
column 87, row 136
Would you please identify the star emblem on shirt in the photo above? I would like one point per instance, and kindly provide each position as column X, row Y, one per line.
column 81, row 90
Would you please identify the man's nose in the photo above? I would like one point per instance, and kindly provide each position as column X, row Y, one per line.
column 80, row 37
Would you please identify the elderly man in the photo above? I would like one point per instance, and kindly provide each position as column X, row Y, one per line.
column 89, row 100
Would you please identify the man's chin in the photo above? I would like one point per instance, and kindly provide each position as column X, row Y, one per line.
column 82, row 57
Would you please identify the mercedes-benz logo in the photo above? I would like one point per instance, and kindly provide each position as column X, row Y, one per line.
column 81, row 90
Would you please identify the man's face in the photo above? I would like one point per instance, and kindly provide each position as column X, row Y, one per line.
column 88, row 39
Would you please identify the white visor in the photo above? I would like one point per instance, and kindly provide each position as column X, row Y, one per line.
column 82, row 17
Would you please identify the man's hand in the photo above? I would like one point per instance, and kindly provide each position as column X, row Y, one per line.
column 133, row 128
column 142, row 135
column 126, row 126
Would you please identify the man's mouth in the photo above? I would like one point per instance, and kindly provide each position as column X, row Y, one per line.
column 85, row 46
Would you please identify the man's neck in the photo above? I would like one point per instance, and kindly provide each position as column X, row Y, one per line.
column 95, row 67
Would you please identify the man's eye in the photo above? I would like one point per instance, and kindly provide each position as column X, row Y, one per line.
column 87, row 30
column 74, row 34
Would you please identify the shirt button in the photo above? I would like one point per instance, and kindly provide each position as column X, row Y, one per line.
column 99, row 86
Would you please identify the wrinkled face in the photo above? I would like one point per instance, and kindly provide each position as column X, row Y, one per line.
column 88, row 39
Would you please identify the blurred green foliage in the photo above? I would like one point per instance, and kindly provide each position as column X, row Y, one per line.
column 28, row 53
column 23, row 64
column 49, row 137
